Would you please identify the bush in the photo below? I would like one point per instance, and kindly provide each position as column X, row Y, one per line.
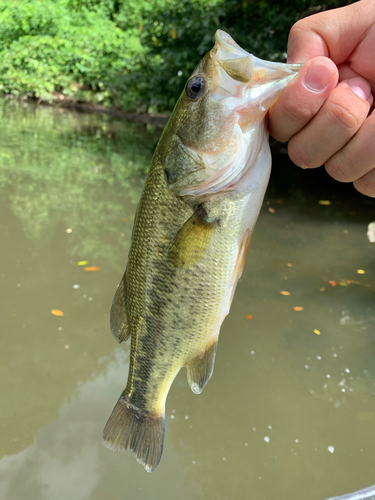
column 133, row 54
column 48, row 48
column 179, row 32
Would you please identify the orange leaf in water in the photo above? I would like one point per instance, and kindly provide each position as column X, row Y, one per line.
column 317, row 332
column 332, row 283
column 249, row 316
column 272, row 210
column 57, row 312
column 342, row 283
column 289, row 264
column 283, row 292
column 91, row 268
column 298, row 308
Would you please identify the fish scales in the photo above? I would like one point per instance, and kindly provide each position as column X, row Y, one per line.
column 191, row 235
column 174, row 297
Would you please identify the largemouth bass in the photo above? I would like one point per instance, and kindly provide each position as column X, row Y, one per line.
column 191, row 236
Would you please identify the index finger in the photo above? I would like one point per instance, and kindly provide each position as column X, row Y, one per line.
column 334, row 33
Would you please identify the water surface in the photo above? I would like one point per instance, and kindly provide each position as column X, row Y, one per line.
column 288, row 414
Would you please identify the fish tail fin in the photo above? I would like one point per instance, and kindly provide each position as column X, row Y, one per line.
column 127, row 428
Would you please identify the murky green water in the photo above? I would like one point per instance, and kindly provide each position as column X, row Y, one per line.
column 288, row 415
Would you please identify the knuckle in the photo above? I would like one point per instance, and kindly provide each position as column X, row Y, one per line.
column 344, row 117
column 341, row 170
column 366, row 184
column 298, row 113
column 298, row 154
column 300, row 25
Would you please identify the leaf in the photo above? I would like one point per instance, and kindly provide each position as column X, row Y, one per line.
column 343, row 283
column 272, row 210
column 324, row 202
column 298, row 308
column 360, row 271
column 57, row 312
column 82, row 263
column 289, row 264
column 283, row 292
column 249, row 316
column 317, row 332
column 332, row 283
column 92, row 268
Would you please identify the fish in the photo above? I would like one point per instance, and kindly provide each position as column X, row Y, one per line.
column 191, row 235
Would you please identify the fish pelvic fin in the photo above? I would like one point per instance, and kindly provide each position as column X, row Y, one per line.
column 128, row 428
column 200, row 369
column 118, row 317
column 241, row 257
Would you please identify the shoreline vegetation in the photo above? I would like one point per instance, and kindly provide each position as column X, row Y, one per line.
column 129, row 58
column 156, row 119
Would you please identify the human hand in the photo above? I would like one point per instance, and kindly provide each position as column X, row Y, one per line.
column 326, row 123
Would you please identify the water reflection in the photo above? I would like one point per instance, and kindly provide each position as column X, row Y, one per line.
column 60, row 169
column 288, row 414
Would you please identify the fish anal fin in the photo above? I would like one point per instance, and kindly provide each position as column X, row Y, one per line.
column 200, row 369
column 193, row 239
column 128, row 428
column 118, row 317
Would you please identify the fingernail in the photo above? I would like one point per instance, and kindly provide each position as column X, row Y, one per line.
column 318, row 76
column 360, row 87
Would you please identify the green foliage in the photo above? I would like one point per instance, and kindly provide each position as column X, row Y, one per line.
column 133, row 54
column 50, row 50
column 179, row 32
column 28, row 17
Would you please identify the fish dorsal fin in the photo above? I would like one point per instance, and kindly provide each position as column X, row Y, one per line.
column 118, row 317
column 193, row 239
column 200, row 369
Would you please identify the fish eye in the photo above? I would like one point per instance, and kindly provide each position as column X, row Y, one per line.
column 195, row 87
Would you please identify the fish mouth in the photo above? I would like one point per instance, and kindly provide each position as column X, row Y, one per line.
column 250, row 71
column 236, row 62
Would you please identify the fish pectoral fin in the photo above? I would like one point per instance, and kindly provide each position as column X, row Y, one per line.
column 127, row 428
column 193, row 239
column 118, row 317
column 200, row 369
